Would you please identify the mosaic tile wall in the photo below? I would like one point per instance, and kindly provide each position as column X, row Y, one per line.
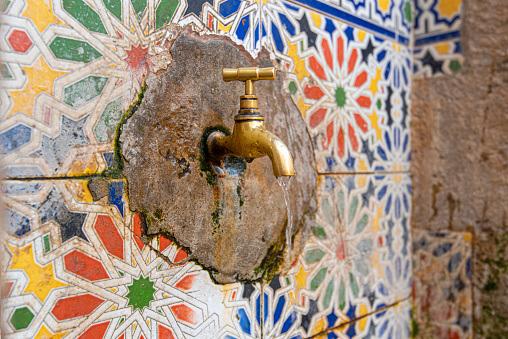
column 442, row 288
column 437, row 45
column 75, row 268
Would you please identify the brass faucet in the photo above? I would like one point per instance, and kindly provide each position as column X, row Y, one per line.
column 250, row 139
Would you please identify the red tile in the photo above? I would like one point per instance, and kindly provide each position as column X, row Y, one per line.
column 95, row 331
column 136, row 225
column 20, row 41
column 360, row 79
column 317, row 117
column 76, row 306
column 329, row 135
column 352, row 61
column 313, row 92
column 317, row 68
column 360, row 122
column 165, row 333
column 186, row 282
column 164, row 243
column 340, row 51
column 352, row 137
column 184, row 313
column 109, row 235
column 327, row 53
column 341, row 143
column 364, row 101
column 180, row 255
column 85, row 266
column 6, row 288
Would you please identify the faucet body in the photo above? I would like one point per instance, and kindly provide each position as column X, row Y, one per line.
column 250, row 139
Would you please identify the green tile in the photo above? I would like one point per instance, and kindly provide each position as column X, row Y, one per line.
column 84, row 14
column 342, row 295
column 139, row 7
column 106, row 126
column 362, row 223
column 292, row 87
column 5, row 72
column 314, row 255
column 165, row 12
column 47, row 244
column 74, row 50
column 354, row 285
column 455, row 66
column 115, row 7
column 352, row 209
column 319, row 231
column 21, row 318
column 4, row 5
column 84, row 90
column 318, row 279
column 328, row 294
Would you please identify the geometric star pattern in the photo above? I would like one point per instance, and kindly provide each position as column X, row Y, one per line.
column 41, row 280
column 54, row 209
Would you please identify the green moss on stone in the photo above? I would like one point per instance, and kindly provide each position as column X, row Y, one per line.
column 117, row 171
column 239, row 193
column 498, row 266
column 273, row 259
column 415, row 329
column 159, row 214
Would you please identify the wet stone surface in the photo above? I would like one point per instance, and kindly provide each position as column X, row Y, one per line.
column 232, row 223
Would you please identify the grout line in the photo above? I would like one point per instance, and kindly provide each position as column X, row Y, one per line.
column 91, row 176
column 79, row 177
column 365, row 173
column 328, row 330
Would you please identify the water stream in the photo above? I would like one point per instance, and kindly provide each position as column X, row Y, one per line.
column 284, row 184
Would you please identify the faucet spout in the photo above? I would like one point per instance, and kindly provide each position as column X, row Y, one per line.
column 251, row 140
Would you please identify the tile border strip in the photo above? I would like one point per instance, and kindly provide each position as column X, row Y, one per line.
column 351, row 19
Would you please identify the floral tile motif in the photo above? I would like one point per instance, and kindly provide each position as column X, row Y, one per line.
column 357, row 261
column 437, row 37
column 352, row 88
column 442, row 289
column 73, row 267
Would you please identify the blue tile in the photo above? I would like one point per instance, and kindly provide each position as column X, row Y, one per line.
column 14, row 138
column 229, row 7
column 244, row 321
column 243, row 27
column 116, row 194
column 17, row 223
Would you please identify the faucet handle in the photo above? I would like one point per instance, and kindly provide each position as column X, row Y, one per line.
column 249, row 73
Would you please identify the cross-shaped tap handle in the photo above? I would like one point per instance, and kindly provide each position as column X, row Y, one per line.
column 249, row 75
